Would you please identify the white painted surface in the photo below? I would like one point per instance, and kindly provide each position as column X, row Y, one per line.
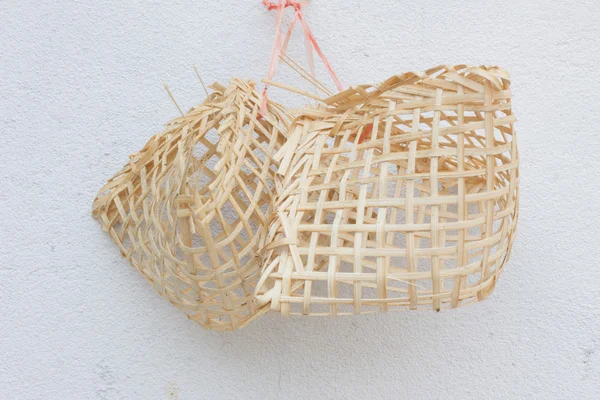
column 81, row 88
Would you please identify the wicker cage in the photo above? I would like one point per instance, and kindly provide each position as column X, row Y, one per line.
column 390, row 196
column 399, row 195
column 189, row 209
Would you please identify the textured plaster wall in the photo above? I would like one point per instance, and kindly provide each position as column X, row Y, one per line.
column 81, row 89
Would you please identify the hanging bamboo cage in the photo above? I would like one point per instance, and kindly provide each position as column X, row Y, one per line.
column 389, row 196
column 401, row 195
column 398, row 195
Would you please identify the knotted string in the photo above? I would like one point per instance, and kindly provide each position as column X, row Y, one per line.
column 279, row 45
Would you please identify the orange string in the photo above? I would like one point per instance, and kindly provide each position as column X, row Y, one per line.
column 279, row 46
column 271, row 5
column 367, row 130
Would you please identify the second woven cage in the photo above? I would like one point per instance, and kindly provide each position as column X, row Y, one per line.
column 403, row 194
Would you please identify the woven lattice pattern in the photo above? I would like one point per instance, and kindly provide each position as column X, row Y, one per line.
column 401, row 195
column 390, row 196
column 189, row 209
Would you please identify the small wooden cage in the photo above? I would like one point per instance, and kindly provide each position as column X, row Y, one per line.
column 390, row 196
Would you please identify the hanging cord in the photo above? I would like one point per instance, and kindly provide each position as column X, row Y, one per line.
column 279, row 45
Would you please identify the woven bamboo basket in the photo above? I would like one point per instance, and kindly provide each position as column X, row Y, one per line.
column 398, row 195
column 390, row 196
column 189, row 209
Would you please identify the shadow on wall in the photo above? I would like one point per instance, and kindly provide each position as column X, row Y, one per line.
column 387, row 335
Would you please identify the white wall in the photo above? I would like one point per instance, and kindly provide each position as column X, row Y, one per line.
column 81, row 89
